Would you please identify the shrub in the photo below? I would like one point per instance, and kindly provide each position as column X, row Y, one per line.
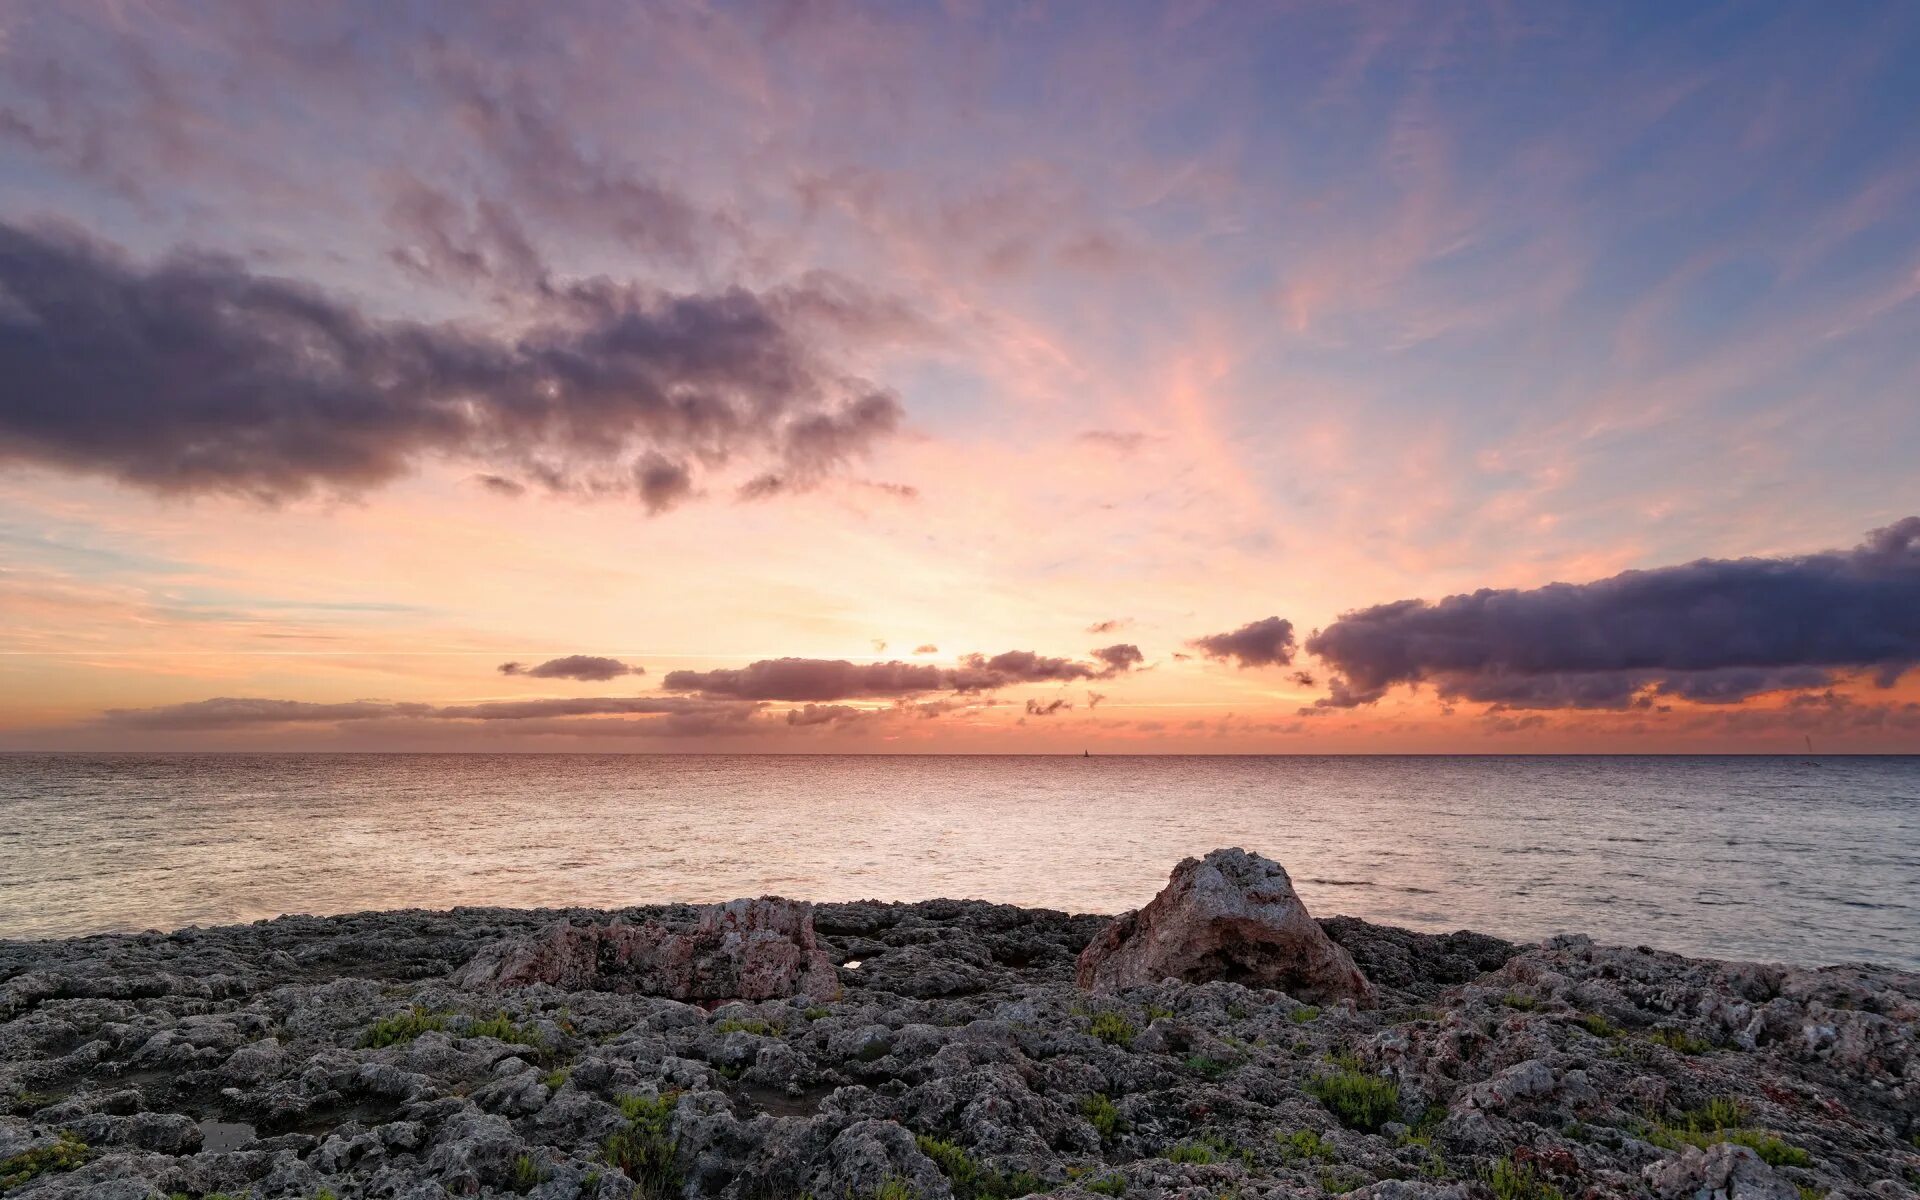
column 66, row 1153
column 403, row 1027
column 1191, row 1152
column 1305, row 1013
column 1720, row 1120
column 527, row 1175
column 752, row 1025
column 969, row 1179
column 1598, row 1025
column 1209, row 1068
column 1304, row 1145
column 501, row 1028
column 1108, row 1185
column 1772, row 1150
column 557, row 1079
column 1101, row 1113
column 645, row 1151
column 1361, row 1101
column 1522, row 1002
column 1510, row 1180
column 1680, row 1041
column 1112, row 1028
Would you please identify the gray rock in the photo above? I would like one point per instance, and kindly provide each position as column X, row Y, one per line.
column 1233, row 916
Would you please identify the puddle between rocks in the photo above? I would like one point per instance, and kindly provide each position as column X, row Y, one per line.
column 225, row 1135
column 779, row 1102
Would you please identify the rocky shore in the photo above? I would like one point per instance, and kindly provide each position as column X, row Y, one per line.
column 1219, row 1042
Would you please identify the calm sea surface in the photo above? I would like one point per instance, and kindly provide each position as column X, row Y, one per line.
column 1729, row 857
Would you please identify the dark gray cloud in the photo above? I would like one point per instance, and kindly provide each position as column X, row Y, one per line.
column 1121, row 657
column 197, row 375
column 662, row 483
column 236, row 712
column 1110, row 626
column 1036, row 708
column 816, row 679
column 829, row 679
column 825, row 714
column 1267, row 642
column 1709, row 631
column 231, row 712
column 590, row 667
column 582, row 706
column 979, row 673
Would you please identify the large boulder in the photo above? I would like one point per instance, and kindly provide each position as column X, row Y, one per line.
column 741, row 950
column 1230, row 916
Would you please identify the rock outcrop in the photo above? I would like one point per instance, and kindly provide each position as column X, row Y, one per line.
column 743, row 950
column 308, row 1056
column 1231, row 916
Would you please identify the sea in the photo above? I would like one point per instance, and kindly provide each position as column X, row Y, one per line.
column 1810, row 861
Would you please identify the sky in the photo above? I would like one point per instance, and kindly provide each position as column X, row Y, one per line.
column 970, row 377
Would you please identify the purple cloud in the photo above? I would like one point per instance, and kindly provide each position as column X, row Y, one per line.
column 195, row 374
column 1710, row 631
column 588, row 667
column 1267, row 642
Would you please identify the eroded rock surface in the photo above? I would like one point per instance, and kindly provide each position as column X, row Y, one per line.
column 303, row 1056
column 1231, row 916
column 742, row 950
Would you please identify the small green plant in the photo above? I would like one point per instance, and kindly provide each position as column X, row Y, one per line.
column 1509, row 1180
column 1155, row 1012
column 1341, row 1179
column 1520, row 1001
column 326, row 1194
column 1679, row 1041
column 557, row 1079
column 818, row 1012
column 645, row 1151
column 1112, row 1028
column 1108, row 1185
column 404, row 1027
column 66, row 1153
column 1721, row 1120
column 1305, row 1014
column 1208, row 1068
column 969, row 1179
column 1772, row 1150
column 894, row 1188
column 501, row 1027
column 1598, row 1025
column 1191, row 1152
column 1101, row 1113
column 752, row 1025
column 21, row 1103
column 1304, row 1145
column 1361, row 1101
column 527, row 1175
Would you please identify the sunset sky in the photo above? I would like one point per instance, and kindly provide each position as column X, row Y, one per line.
column 970, row 377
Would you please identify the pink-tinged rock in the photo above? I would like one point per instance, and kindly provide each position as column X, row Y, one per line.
column 1230, row 916
column 740, row 950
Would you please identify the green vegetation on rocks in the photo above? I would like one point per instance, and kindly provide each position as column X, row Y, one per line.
column 64, row 1154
